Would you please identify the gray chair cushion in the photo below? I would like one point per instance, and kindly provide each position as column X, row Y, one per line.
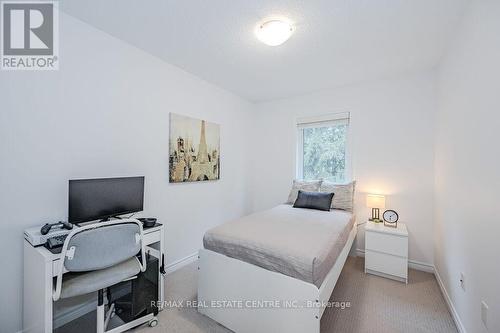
column 103, row 247
column 76, row 284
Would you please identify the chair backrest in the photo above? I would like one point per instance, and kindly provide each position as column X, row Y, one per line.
column 102, row 245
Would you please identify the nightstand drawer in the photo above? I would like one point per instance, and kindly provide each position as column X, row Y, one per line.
column 386, row 263
column 386, row 243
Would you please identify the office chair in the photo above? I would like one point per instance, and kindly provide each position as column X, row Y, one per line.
column 98, row 256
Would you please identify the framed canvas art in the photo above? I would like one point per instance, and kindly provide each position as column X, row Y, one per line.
column 194, row 153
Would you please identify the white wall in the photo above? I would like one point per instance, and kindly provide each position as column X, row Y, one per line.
column 105, row 113
column 392, row 147
column 468, row 168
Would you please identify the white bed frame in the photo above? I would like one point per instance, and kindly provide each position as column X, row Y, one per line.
column 228, row 288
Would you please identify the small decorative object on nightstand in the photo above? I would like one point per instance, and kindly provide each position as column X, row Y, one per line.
column 375, row 202
column 390, row 218
column 386, row 251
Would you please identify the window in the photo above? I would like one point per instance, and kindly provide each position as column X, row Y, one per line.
column 323, row 148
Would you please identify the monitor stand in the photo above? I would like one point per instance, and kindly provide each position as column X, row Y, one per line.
column 109, row 218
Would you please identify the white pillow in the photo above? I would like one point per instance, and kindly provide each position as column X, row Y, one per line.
column 304, row 185
column 343, row 194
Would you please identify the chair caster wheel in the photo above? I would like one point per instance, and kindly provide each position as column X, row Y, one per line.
column 153, row 322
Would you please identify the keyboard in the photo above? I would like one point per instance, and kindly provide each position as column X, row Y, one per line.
column 55, row 243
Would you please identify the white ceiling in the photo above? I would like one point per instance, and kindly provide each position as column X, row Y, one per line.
column 336, row 42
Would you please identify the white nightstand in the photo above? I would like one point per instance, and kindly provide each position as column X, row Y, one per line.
column 386, row 251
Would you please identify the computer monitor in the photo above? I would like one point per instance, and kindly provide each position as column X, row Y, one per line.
column 94, row 199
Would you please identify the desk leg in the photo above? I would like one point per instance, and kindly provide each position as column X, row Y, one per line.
column 37, row 294
column 163, row 256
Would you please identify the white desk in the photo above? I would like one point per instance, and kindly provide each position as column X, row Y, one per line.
column 41, row 266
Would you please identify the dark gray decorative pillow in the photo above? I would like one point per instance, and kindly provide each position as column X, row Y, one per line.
column 314, row 200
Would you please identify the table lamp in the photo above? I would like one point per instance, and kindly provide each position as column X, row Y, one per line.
column 375, row 202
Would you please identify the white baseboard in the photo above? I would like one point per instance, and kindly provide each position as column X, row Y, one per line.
column 172, row 267
column 453, row 311
column 413, row 264
column 421, row 266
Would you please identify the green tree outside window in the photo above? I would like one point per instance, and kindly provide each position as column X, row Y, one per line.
column 325, row 152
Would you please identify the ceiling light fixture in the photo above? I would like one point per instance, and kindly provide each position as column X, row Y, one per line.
column 274, row 32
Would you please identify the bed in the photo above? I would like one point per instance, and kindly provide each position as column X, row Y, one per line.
column 275, row 270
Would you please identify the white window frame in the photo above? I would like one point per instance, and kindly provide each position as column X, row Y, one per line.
column 320, row 121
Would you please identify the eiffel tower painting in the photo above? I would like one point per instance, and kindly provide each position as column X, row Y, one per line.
column 194, row 150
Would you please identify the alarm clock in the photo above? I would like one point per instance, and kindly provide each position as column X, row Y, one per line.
column 390, row 218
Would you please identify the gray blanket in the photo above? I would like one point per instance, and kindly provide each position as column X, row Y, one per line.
column 301, row 243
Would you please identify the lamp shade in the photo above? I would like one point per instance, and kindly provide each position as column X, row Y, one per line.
column 375, row 201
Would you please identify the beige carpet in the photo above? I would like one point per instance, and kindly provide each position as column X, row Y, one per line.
column 377, row 304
